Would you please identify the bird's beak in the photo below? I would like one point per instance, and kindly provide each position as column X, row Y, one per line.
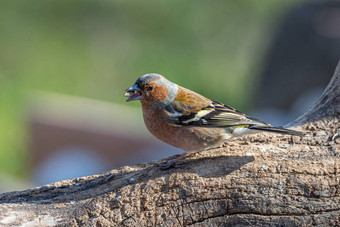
column 133, row 93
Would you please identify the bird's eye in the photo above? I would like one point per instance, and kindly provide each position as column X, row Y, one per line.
column 150, row 88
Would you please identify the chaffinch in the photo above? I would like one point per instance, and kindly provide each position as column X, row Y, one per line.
column 190, row 121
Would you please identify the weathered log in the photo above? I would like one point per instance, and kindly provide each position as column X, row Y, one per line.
column 264, row 180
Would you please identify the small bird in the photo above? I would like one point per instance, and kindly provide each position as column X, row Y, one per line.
column 188, row 120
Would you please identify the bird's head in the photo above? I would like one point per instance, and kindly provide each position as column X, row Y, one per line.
column 152, row 88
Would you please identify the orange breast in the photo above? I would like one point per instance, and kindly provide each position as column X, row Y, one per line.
column 188, row 138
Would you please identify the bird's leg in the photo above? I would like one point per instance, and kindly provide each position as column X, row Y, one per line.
column 173, row 163
column 190, row 155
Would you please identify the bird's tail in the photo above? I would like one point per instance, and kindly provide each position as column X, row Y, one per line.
column 280, row 130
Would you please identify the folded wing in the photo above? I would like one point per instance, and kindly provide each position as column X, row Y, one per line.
column 214, row 115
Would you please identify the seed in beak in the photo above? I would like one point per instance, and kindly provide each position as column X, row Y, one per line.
column 133, row 93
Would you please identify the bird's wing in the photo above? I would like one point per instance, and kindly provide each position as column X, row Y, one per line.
column 214, row 114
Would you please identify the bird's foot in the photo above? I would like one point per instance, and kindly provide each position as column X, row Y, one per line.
column 169, row 165
column 173, row 163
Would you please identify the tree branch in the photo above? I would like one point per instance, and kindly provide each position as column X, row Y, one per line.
column 263, row 179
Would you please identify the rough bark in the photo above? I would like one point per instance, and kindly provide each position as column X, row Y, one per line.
column 264, row 180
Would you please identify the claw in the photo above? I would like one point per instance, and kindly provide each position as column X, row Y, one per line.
column 110, row 177
column 168, row 165
column 173, row 163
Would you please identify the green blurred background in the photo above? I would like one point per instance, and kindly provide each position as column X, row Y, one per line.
column 96, row 49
